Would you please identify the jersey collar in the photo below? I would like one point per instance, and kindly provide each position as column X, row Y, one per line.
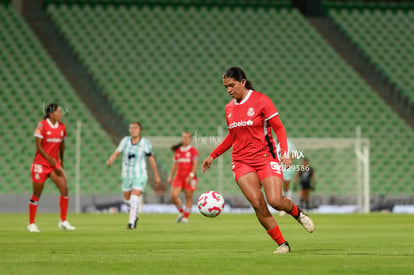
column 185, row 148
column 130, row 140
column 54, row 126
column 244, row 100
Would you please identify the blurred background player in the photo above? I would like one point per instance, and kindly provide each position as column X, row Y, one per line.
column 184, row 167
column 134, row 169
column 49, row 134
column 288, row 172
column 250, row 117
column 307, row 182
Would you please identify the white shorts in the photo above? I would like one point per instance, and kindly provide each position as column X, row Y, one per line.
column 137, row 183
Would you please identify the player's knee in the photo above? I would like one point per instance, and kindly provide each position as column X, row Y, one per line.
column 276, row 203
column 258, row 205
column 174, row 197
column 64, row 190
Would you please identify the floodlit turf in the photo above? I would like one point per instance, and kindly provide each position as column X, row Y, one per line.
column 229, row 244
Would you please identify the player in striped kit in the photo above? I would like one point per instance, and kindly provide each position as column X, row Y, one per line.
column 288, row 172
column 250, row 117
column 50, row 134
column 184, row 167
column 134, row 170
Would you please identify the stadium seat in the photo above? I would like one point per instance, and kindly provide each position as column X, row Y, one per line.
column 176, row 56
column 33, row 80
column 390, row 47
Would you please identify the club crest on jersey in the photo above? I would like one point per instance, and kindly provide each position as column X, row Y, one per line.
column 250, row 112
column 48, row 133
column 188, row 154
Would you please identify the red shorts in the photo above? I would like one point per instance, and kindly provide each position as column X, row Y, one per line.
column 182, row 183
column 264, row 169
column 41, row 172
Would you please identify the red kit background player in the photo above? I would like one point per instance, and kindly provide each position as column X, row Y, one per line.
column 184, row 167
column 50, row 134
column 250, row 117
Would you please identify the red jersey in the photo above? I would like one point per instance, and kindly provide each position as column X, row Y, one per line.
column 247, row 122
column 184, row 157
column 52, row 136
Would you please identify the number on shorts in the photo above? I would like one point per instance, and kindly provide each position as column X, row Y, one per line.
column 38, row 168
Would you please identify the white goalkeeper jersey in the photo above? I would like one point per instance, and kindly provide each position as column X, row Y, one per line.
column 133, row 160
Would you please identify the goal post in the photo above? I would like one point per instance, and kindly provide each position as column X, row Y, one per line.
column 344, row 160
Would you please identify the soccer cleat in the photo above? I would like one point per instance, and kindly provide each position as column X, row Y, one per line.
column 180, row 217
column 282, row 249
column 136, row 221
column 282, row 213
column 66, row 226
column 130, row 226
column 305, row 221
column 33, row 228
column 184, row 220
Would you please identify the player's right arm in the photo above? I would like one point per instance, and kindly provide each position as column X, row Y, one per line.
column 223, row 147
column 43, row 153
column 113, row 157
column 172, row 171
column 117, row 152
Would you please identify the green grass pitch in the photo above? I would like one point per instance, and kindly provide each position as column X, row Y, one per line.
column 229, row 244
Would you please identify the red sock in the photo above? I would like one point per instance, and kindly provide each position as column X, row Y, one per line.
column 63, row 202
column 276, row 235
column 186, row 214
column 32, row 208
column 180, row 209
column 295, row 211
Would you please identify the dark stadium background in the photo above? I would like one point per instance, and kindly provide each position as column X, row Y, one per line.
column 329, row 66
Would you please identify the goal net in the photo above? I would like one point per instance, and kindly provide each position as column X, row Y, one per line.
column 341, row 168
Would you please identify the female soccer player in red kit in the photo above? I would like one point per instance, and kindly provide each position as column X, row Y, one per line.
column 49, row 134
column 251, row 116
column 184, row 166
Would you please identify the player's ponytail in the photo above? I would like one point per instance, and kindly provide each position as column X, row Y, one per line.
column 50, row 109
column 176, row 146
column 249, row 85
column 238, row 74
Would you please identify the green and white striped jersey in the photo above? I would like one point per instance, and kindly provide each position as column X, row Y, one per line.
column 133, row 160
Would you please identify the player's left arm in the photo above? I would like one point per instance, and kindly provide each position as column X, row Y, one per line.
column 172, row 171
column 279, row 129
column 153, row 163
column 193, row 169
column 151, row 159
column 295, row 179
column 313, row 181
column 62, row 145
column 272, row 117
column 62, row 151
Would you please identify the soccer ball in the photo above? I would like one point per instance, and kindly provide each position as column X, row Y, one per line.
column 211, row 204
